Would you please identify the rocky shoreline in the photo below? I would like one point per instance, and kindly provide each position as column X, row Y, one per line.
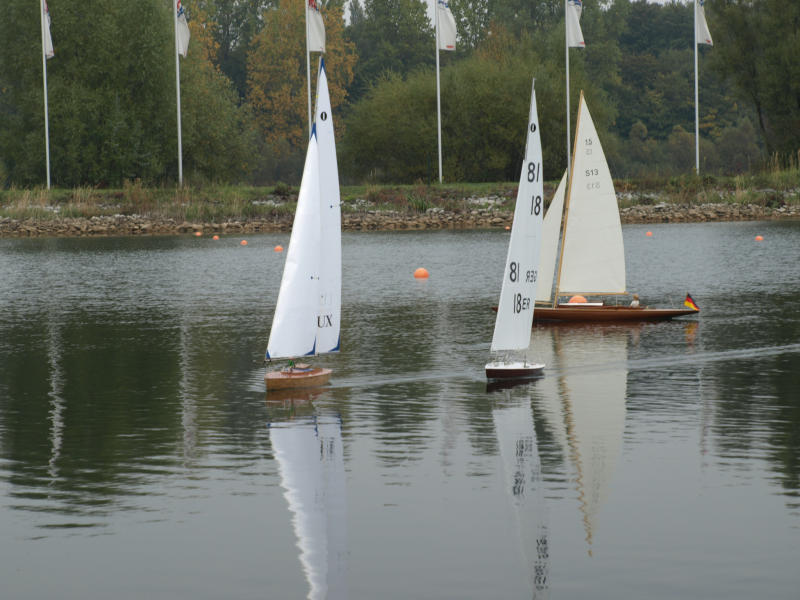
column 375, row 220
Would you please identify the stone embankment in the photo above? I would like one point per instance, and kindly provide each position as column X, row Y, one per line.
column 374, row 220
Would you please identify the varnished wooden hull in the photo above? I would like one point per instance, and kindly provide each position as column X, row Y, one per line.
column 293, row 378
column 580, row 313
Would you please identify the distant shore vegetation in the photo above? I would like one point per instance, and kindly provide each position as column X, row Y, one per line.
column 112, row 101
column 220, row 203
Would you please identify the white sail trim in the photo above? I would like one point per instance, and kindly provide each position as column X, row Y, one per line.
column 330, row 282
column 512, row 329
column 593, row 257
column 551, row 230
column 294, row 325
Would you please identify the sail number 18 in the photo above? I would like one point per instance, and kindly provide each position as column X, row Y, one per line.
column 515, row 272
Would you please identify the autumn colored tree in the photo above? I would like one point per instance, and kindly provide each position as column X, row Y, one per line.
column 276, row 73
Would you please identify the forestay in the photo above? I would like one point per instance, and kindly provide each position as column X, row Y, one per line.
column 593, row 256
column 512, row 329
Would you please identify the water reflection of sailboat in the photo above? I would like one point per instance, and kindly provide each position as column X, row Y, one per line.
column 516, row 438
column 310, row 458
column 56, row 397
column 592, row 386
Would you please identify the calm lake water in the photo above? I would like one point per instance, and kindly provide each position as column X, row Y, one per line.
column 140, row 458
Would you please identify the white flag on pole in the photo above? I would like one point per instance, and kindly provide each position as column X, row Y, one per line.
column 447, row 26
column 183, row 31
column 574, row 33
column 48, row 41
column 316, row 27
column 703, row 35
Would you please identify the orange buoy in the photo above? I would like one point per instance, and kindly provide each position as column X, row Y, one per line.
column 421, row 273
column 577, row 300
column 649, row 234
column 198, row 233
column 243, row 243
column 216, row 237
column 278, row 248
column 759, row 238
column 508, row 228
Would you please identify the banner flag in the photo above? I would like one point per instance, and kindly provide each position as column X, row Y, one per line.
column 48, row 41
column 447, row 26
column 700, row 25
column 316, row 27
column 183, row 31
column 574, row 33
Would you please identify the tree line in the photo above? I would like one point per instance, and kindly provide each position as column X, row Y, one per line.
column 111, row 87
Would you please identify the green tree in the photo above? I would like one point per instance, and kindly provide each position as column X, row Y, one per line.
column 392, row 35
column 277, row 87
column 233, row 23
column 111, row 97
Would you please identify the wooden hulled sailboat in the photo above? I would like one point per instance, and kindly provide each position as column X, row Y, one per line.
column 592, row 257
column 512, row 328
column 307, row 314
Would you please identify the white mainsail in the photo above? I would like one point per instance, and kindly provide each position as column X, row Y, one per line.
column 330, row 282
column 512, row 328
column 592, row 255
column 551, row 230
column 294, row 325
column 310, row 459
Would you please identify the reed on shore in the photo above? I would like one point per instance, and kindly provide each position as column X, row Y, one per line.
column 221, row 203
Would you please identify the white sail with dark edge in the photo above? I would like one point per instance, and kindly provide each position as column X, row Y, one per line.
column 512, row 329
column 330, row 281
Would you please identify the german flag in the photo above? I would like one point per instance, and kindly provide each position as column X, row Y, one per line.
column 689, row 302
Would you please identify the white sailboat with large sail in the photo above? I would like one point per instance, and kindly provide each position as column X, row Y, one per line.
column 512, row 328
column 592, row 257
column 310, row 457
column 307, row 314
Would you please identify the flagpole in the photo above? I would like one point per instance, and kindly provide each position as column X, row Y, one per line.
column 178, row 93
column 438, row 92
column 44, row 83
column 308, row 72
column 696, row 101
column 566, row 52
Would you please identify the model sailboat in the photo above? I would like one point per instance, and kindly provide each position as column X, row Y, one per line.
column 592, row 259
column 307, row 314
column 512, row 328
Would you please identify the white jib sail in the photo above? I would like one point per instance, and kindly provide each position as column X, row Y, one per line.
column 551, row 230
column 512, row 328
column 330, row 282
column 593, row 256
column 294, row 326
